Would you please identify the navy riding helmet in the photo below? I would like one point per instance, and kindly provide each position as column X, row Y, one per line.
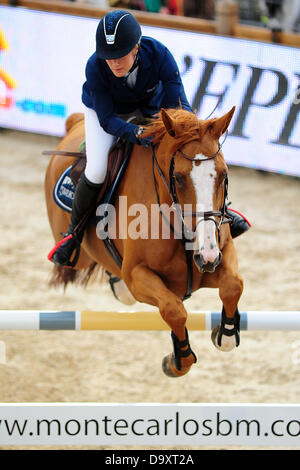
column 117, row 34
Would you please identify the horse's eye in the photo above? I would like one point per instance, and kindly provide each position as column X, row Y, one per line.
column 179, row 178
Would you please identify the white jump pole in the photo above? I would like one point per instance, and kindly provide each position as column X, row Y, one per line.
column 139, row 320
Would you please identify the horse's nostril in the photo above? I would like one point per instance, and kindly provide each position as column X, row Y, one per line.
column 199, row 260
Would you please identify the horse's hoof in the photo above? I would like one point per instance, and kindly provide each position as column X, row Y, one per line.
column 228, row 343
column 214, row 335
column 170, row 369
column 119, row 289
column 123, row 294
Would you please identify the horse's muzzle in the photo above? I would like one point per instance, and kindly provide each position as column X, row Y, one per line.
column 206, row 267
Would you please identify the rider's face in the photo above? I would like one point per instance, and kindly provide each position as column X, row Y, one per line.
column 121, row 67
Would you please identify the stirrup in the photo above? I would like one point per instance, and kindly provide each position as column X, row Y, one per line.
column 72, row 262
column 239, row 224
column 240, row 214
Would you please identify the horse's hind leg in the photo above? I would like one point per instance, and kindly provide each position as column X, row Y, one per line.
column 147, row 287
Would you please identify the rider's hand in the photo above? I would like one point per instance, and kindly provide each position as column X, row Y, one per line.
column 144, row 141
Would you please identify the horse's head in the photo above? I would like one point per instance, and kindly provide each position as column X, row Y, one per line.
column 195, row 171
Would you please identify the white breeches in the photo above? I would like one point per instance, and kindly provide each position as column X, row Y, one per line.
column 98, row 143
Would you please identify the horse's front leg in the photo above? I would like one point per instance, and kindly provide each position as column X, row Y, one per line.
column 148, row 287
column 226, row 336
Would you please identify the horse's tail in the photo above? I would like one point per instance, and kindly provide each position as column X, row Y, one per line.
column 63, row 276
column 72, row 120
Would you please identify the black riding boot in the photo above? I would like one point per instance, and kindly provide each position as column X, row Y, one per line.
column 239, row 224
column 84, row 199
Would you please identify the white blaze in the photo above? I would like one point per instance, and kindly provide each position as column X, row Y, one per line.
column 203, row 176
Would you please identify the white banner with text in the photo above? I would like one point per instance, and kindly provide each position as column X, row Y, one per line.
column 42, row 64
column 194, row 424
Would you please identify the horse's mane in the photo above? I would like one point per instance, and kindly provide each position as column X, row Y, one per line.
column 188, row 127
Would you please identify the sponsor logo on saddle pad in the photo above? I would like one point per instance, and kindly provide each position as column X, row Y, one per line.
column 63, row 192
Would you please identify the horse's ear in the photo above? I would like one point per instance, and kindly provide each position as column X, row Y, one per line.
column 168, row 123
column 220, row 125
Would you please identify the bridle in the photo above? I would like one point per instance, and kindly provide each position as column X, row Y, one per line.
column 187, row 234
column 171, row 188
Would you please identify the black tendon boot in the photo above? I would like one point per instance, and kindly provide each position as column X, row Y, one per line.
column 84, row 200
column 239, row 224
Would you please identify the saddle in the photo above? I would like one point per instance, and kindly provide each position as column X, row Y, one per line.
column 64, row 189
column 118, row 153
column 63, row 192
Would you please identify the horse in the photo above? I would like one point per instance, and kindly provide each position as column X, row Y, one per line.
column 183, row 167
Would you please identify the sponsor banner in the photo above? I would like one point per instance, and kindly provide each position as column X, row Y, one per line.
column 42, row 63
column 155, row 424
column 45, row 55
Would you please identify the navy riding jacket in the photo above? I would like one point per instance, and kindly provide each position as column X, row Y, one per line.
column 158, row 85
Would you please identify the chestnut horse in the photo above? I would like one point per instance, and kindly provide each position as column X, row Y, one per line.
column 184, row 167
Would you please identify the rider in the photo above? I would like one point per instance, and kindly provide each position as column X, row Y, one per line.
column 129, row 74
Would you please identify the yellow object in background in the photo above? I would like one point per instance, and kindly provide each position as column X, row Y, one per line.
column 8, row 80
column 3, row 42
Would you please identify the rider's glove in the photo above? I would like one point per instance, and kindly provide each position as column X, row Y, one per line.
column 145, row 141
